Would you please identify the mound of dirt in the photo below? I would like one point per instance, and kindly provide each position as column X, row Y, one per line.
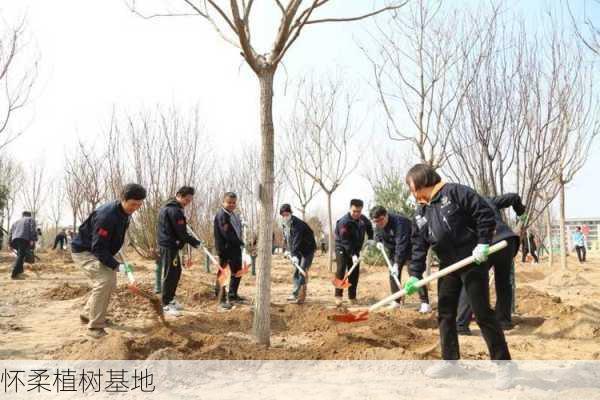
column 125, row 305
column 67, row 291
column 566, row 279
column 112, row 347
column 572, row 323
column 533, row 302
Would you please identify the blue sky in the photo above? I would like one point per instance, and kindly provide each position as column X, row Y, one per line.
column 96, row 55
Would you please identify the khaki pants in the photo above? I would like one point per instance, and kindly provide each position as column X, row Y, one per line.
column 104, row 281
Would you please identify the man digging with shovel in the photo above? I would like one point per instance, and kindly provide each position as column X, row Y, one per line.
column 172, row 236
column 229, row 243
column 301, row 246
column 98, row 240
column 350, row 233
column 456, row 223
column 393, row 231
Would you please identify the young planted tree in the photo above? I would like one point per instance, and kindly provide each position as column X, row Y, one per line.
column 303, row 188
column 11, row 180
column 320, row 135
column 18, row 73
column 57, row 203
column 232, row 21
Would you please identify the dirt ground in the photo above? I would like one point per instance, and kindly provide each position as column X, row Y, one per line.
column 558, row 317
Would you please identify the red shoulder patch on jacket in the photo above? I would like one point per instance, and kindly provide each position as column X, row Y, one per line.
column 103, row 232
column 181, row 222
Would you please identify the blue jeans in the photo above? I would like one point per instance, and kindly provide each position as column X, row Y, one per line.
column 299, row 280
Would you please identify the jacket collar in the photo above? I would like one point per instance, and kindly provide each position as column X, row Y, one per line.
column 434, row 193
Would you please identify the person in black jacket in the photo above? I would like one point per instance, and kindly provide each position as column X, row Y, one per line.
column 98, row 240
column 301, row 246
column 228, row 241
column 350, row 233
column 456, row 223
column 394, row 231
column 60, row 240
column 502, row 262
column 529, row 246
column 172, row 236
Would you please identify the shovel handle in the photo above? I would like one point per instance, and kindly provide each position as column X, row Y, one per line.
column 381, row 248
column 443, row 272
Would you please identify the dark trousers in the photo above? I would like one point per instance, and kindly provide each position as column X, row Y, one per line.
column 22, row 247
column 581, row 252
column 232, row 260
column 344, row 263
column 60, row 242
column 533, row 252
column 299, row 279
column 502, row 262
column 171, row 273
column 475, row 280
column 423, row 294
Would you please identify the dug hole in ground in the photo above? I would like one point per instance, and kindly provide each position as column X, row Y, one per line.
column 558, row 317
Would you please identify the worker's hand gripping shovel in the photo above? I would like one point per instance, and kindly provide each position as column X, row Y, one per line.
column 381, row 248
column 364, row 315
column 298, row 267
column 133, row 288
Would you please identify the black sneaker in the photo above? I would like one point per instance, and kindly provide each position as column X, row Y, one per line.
column 225, row 306
column 463, row 331
column 237, row 299
column 507, row 326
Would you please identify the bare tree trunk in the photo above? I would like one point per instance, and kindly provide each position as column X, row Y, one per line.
column 262, row 318
column 330, row 247
column 563, row 245
column 549, row 236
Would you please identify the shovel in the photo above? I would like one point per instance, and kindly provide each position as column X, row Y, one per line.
column 133, row 288
column 343, row 283
column 381, row 248
column 299, row 268
column 364, row 315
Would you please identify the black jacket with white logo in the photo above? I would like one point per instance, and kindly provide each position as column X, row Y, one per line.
column 452, row 224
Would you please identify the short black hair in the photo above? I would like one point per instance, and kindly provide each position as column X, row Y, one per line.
column 356, row 203
column 229, row 195
column 133, row 191
column 26, row 214
column 378, row 211
column 578, row 228
column 185, row 191
column 285, row 208
column 422, row 176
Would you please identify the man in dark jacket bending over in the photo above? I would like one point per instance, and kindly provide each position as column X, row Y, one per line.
column 394, row 231
column 172, row 236
column 98, row 240
column 301, row 246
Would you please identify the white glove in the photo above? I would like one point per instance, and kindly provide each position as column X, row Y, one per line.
column 121, row 268
column 395, row 270
column 295, row 260
column 481, row 253
column 354, row 259
column 371, row 242
column 286, row 254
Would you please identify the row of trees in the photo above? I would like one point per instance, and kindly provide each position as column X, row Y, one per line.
column 482, row 99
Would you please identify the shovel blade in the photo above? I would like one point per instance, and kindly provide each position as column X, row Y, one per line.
column 341, row 283
column 350, row 317
column 243, row 271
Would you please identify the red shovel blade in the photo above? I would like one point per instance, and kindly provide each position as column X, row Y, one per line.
column 243, row 271
column 349, row 317
column 341, row 283
column 133, row 289
column 222, row 274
